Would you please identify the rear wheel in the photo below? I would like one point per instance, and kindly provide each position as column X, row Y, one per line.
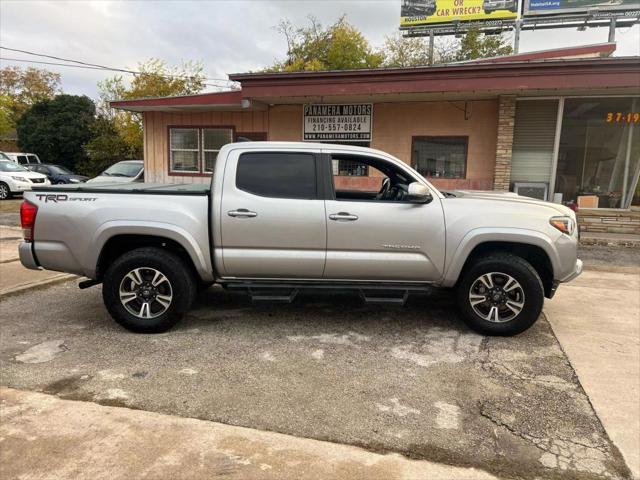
column 5, row 192
column 148, row 290
column 501, row 294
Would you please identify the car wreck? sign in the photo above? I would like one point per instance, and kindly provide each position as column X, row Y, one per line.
column 339, row 122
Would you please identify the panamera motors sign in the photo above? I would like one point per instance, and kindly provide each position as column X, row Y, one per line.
column 338, row 122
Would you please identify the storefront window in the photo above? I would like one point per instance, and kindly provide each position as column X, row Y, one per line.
column 444, row 157
column 194, row 150
column 599, row 154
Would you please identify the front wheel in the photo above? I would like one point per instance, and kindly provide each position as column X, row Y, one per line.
column 501, row 294
column 5, row 192
column 148, row 290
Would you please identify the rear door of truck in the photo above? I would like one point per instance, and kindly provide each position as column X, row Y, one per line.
column 272, row 218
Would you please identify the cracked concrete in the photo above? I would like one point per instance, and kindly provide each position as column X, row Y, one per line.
column 412, row 381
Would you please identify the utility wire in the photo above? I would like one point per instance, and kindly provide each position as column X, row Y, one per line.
column 94, row 66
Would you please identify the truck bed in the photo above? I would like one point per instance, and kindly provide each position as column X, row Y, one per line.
column 133, row 187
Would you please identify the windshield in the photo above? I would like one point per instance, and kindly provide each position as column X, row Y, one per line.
column 123, row 169
column 58, row 170
column 11, row 167
column 4, row 156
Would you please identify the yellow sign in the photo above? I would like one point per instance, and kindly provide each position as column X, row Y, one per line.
column 425, row 12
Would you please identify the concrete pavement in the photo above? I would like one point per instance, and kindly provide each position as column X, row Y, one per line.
column 409, row 380
column 47, row 438
column 596, row 318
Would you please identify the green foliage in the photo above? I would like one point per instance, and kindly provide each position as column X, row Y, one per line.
column 20, row 89
column 57, row 129
column 477, row 45
column 105, row 148
column 405, row 52
column 338, row 47
column 156, row 79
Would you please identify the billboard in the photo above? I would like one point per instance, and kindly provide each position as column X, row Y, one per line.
column 555, row 7
column 434, row 12
column 341, row 122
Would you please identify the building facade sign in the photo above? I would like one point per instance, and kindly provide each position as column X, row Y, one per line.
column 437, row 12
column 338, row 122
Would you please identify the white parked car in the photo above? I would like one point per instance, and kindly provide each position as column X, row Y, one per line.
column 22, row 158
column 122, row 172
column 15, row 178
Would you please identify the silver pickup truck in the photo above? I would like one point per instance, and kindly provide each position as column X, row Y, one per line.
column 278, row 218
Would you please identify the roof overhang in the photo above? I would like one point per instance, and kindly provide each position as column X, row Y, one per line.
column 462, row 81
column 222, row 101
column 480, row 78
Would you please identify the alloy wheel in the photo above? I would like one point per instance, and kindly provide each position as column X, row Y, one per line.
column 4, row 192
column 496, row 297
column 145, row 292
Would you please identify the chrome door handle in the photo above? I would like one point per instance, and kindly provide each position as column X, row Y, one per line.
column 242, row 213
column 343, row 217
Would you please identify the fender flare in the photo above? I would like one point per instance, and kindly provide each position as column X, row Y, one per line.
column 108, row 230
column 479, row 236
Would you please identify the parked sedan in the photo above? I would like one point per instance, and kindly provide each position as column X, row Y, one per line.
column 57, row 174
column 122, row 172
column 15, row 178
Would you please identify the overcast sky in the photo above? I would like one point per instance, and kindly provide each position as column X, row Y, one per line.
column 228, row 36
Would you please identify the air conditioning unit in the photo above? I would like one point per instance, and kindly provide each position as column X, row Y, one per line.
column 537, row 190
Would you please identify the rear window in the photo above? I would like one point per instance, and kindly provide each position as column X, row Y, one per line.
column 280, row 175
column 32, row 159
column 22, row 159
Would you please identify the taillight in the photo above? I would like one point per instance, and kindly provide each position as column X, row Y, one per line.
column 28, row 213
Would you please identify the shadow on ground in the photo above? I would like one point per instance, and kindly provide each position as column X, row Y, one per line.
column 412, row 380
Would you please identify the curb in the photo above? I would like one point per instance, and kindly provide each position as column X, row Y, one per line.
column 62, row 277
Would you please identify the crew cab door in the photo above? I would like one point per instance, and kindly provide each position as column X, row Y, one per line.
column 377, row 237
column 272, row 215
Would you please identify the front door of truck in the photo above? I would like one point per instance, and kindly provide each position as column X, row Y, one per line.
column 272, row 217
column 374, row 232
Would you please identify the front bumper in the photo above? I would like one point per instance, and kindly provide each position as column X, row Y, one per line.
column 27, row 257
column 577, row 270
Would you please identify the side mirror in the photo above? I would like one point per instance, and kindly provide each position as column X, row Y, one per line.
column 418, row 193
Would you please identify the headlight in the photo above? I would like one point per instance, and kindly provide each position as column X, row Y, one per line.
column 20, row 179
column 564, row 224
column 74, row 180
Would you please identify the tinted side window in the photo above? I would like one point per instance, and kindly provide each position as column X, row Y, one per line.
column 22, row 159
column 281, row 175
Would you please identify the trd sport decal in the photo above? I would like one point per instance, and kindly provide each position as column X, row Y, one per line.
column 61, row 197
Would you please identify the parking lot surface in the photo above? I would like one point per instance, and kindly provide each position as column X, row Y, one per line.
column 411, row 380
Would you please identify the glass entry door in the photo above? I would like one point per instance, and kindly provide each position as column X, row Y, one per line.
column 599, row 153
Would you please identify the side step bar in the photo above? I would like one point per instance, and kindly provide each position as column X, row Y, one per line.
column 286, row 292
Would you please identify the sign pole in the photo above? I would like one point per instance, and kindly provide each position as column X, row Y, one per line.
column 612, row 30
column 431, row 41
column 516, row 36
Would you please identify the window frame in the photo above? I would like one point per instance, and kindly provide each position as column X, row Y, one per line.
column 201, row 172
column 414, row 164
column 320, row 187
column 329, row 184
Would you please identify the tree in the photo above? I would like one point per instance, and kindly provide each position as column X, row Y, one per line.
column 155, row 79
column 22, row 88
column 105, row 148
column 338, row 47
column 57, row 129
column 478, row 45
column 405, row 52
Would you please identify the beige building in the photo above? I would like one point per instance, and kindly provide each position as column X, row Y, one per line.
column 559, row 125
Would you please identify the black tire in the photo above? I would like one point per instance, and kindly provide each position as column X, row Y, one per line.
column 530, row 293
column 5, row 191
column 182, row 287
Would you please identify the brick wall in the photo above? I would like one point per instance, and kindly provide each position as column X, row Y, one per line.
column 504, row 146
column 609, row 221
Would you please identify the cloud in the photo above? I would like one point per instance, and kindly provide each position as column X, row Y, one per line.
column 227, row 36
